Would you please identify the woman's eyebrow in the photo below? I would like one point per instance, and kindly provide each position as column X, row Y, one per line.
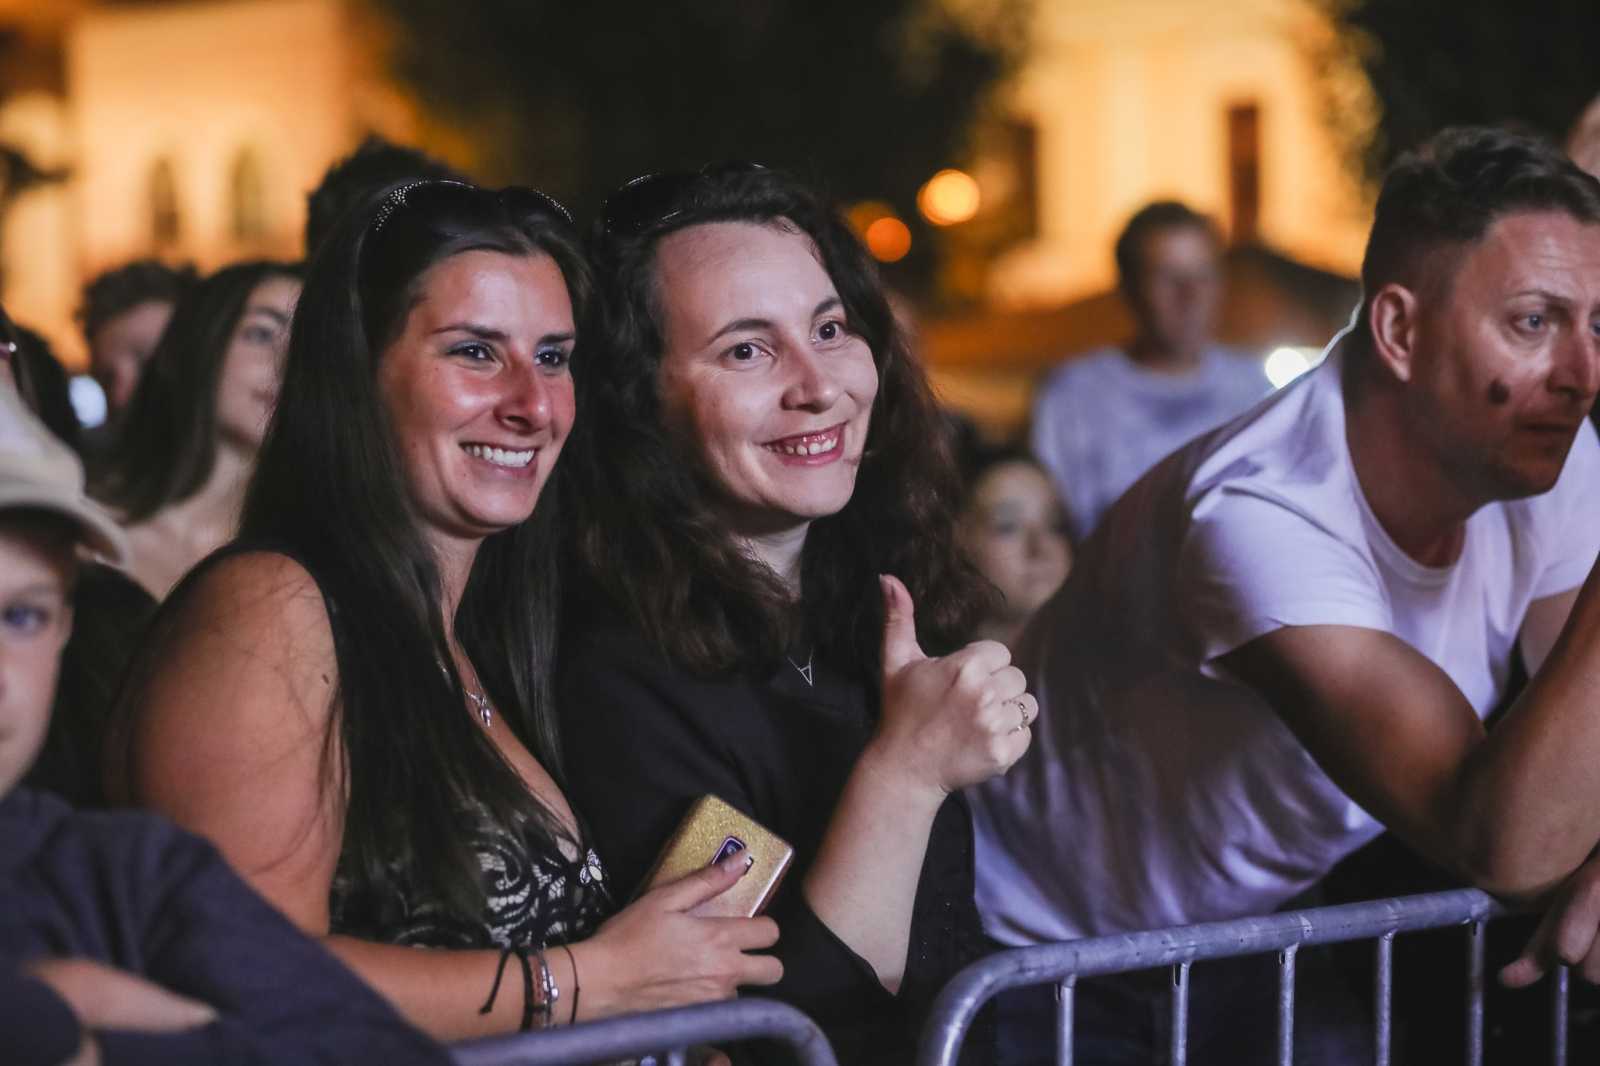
column 487, row 333
column 271, row 312
column 739, row 325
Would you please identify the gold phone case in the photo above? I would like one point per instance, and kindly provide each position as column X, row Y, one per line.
column 711, row 830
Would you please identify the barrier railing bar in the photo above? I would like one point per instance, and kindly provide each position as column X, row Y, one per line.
column 1180, row 1014
column 1558, row 1017
column 960, row 1000
column 1383, row 1000
column 1286, row 959
column 633, row 1035
column 1065, row 992
column 1475, row 940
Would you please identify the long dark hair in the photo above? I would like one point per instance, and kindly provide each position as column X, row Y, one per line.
column 166, row 442
column 679, row 575
column 329, row 490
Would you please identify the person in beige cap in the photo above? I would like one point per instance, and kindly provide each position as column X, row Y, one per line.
column 103, row 917
column 38, row 472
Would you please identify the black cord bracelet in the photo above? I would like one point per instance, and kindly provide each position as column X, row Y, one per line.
column 527, row 990
column 499, row 972
column 577, row 986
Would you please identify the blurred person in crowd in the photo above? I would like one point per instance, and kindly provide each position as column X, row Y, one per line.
column 1286, row 636
column 123, row 313
column 28, row 365
column 176, row 470
column 1014, row 529
column 46, row 387
column 768, row 529
column 375, row 165
column 1103, row 418
column 122, row 939
column 352, row 701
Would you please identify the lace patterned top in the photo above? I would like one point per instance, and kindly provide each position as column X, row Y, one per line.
column 534, row 896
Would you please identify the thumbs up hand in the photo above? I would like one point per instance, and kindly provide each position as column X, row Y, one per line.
column 947, row 722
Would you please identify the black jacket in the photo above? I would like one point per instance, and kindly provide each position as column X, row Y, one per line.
column 643, row 741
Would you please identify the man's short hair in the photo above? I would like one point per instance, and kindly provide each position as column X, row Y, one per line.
column 117, row 291
column 1149, row 219
column 375, row 164
column 1446, row 194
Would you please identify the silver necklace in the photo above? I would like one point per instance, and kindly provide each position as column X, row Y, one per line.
column 481, row 703
column 805, row 671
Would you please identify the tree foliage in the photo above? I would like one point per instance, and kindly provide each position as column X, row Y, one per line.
column 1436, row 63
column 868, row 97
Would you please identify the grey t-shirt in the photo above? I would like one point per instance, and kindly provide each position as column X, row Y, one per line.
column 1100, row 420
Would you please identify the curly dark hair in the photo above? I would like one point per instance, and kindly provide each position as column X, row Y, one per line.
column 679, row 576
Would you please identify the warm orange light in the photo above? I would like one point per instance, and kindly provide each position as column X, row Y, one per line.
column 865, row 213
column 950, row 197
column 888, row 239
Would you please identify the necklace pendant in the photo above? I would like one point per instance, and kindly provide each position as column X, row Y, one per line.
column 481, row 703
column 804, row 671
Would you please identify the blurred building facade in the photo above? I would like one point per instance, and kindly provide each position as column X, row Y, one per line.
column 1126, row 101
column 187, row 129
column 192, row 130
column 1121, row 102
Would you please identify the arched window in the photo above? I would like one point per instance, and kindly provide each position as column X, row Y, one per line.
column 166, row 223
column 247, row 197
column 1244, row 172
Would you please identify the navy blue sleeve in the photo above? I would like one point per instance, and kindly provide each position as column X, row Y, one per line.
column 280, row 996
column 39, row 1028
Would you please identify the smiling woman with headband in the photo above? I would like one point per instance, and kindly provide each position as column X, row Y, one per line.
column 353, row 700
column 767, row 489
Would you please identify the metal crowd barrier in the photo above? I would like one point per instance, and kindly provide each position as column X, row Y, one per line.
column 1285, row 933
column 664, row 1033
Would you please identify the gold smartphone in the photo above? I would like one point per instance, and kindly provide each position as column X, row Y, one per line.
column 712, row 830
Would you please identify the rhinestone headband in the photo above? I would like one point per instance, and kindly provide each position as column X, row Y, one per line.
column 397, row 199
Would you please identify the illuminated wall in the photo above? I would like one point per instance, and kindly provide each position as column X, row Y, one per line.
column 210, row 93
column 192, row 131
column 1130, row 101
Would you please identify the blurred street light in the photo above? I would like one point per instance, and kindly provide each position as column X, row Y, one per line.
column 888, row 239
column 949, row 197
column 1286, row 363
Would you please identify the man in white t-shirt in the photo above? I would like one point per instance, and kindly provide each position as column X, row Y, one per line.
column 1102, row 419
column 1286, row 636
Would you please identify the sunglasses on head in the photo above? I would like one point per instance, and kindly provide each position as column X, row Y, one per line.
column 515, row 199
column 652, row 200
